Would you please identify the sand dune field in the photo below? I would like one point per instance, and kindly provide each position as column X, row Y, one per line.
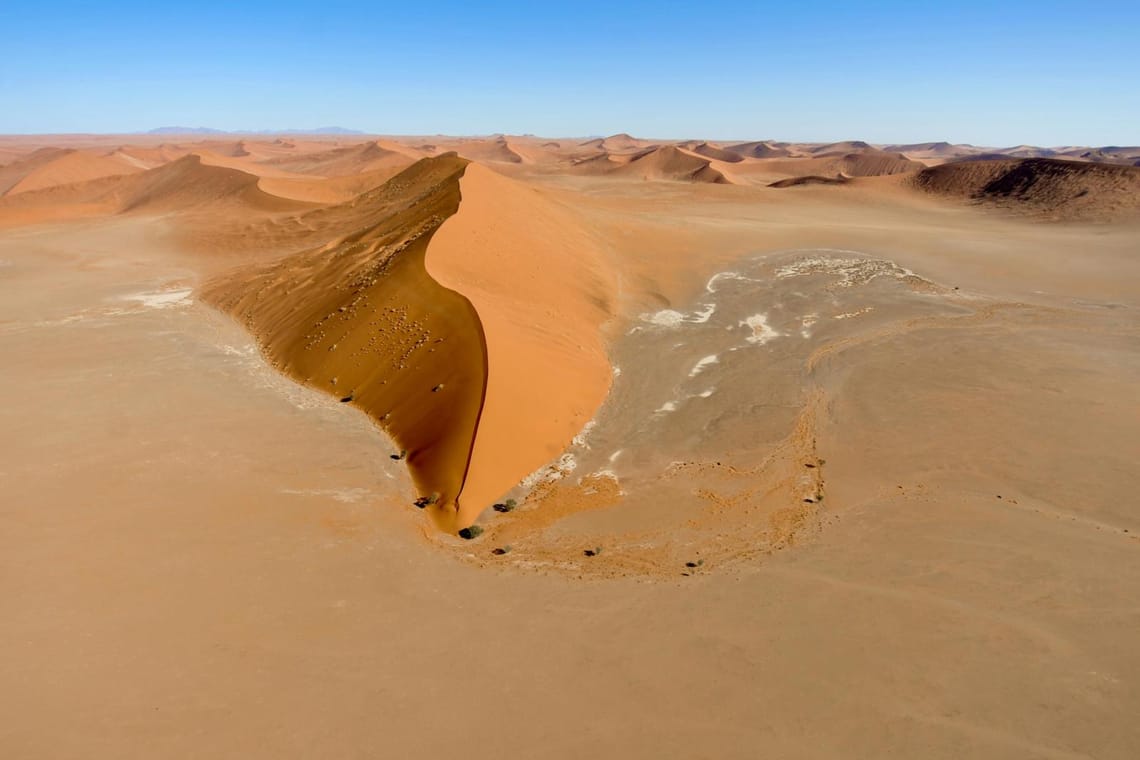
column 358, row 446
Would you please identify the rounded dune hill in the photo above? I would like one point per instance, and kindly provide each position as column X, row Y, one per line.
column 180, row 186
column 1027, row 151
column 343, row 161
column 188, row 183
column 846, row 146
column 876, row 163
column 669, row 162
column 716, row 153
column 758, row 150
column 595, row 164
column 1055, row 188
column 150, row 157
column 491, row 150
column 51, row 167
column 622, row 143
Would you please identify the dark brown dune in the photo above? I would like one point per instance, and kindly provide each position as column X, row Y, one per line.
column 1058, row 189
column 671, row 163
column 811, row 179
column 361, row 319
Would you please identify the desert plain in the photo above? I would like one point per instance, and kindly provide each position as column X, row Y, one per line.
column 356, row 447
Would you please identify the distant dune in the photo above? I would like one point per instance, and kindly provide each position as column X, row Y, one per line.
column 839, row 148
column 622, row 143
column 671, row 163
column 340, row 162
column 1051, row 187
column 598, row 163
column 182, row 185
column 188, row 183
column 1027, row 151
column 50, row 167
column 719, row 154
column 811, row 179
column 493, row 150
column 876, row 163
column 758, row 150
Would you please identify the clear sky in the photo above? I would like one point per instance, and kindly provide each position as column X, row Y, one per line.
column 991, row 73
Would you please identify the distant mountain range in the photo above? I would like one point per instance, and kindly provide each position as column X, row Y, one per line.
column 209, row 131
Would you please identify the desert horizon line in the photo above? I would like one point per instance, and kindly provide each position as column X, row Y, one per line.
column 338, row 131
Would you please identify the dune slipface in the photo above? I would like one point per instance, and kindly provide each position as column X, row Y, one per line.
column 543, row 288
column 361, row 318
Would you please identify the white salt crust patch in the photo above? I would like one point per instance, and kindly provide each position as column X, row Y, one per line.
column 704, row 363
column 762, row 332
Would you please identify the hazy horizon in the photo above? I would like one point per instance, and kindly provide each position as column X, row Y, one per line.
column 349, row 132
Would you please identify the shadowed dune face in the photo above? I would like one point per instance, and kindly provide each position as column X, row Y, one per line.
column 360, row 318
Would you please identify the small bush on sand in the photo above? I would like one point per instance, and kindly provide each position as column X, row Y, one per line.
column 506, row 506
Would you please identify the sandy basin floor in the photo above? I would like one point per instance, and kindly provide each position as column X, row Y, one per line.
column 199, row 559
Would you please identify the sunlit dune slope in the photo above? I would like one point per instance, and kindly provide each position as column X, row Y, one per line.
column 182, row 186
column 672, row 163
column 495, row 149
column 343, row 161
column 543, row 288
column 758, row 150
column 61, row 168
column 360, row 318
column 188, row 183
column 720, row 154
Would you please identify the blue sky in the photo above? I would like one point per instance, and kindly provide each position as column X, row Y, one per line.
column 996, row 73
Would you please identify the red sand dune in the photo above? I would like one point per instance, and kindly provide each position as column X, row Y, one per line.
column 671, row 163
